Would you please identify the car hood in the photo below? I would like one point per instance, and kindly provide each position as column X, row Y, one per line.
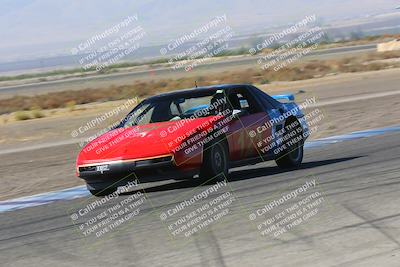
column 143, row 141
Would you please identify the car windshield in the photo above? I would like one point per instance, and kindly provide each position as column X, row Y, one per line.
column 173, row 109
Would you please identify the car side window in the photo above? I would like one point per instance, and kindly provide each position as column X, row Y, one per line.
column 244, row 101
column 174, row 109
column 267, row 101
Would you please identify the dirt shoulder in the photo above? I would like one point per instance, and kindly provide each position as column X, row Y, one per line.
column 46, row 169
column 58, row 124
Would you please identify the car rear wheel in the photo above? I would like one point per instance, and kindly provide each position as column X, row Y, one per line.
column 215, row 162
column 292, row 156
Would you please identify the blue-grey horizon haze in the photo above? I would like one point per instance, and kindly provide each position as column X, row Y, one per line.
column 52, row 27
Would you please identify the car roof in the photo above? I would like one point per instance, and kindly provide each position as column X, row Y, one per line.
column 195, row 91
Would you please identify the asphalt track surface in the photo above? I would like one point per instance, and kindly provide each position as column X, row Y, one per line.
column 356, row 224
column 165, row 73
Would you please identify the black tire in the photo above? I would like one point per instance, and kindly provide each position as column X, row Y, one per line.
column 292, row 156
column 215, row 162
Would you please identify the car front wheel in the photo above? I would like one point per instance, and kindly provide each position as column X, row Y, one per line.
column 215, row 162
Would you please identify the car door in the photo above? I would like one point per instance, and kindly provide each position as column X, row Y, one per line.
column 271, row 138
column 246, row 131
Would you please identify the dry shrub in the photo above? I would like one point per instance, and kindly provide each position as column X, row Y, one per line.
column 21, row 116
column 37, row 114
column 300, row 71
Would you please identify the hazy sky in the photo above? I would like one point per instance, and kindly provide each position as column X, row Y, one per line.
column 50, row 23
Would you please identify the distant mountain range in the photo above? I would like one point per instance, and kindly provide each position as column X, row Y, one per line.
column 46, row 27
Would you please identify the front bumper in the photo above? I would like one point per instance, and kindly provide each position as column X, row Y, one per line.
column 118, row 173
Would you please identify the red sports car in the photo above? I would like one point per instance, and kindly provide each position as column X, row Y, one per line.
column 197, row 132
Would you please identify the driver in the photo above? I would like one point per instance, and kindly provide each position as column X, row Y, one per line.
column 217, row 104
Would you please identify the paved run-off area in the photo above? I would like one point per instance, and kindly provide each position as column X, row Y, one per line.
column 352, row 220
